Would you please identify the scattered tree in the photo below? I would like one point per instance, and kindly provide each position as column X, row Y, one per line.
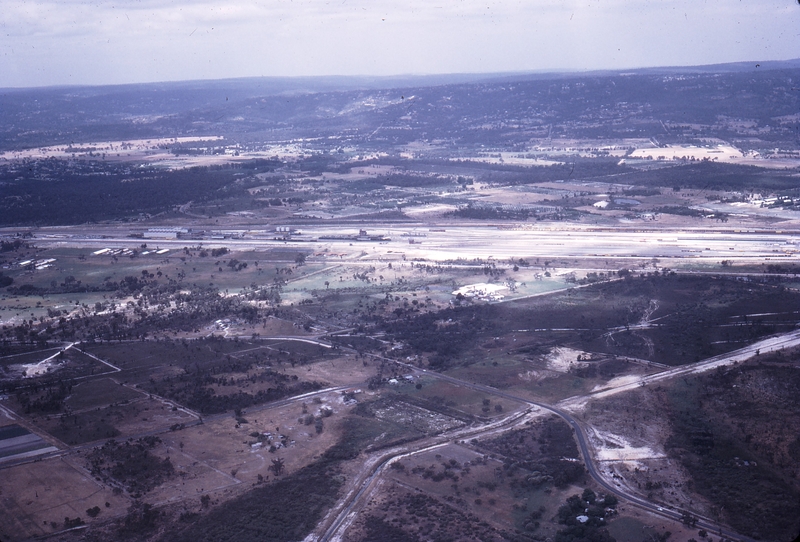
column 277, row 466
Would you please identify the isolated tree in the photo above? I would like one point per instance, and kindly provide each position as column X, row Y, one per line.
column 277, row 466
column 300, row 259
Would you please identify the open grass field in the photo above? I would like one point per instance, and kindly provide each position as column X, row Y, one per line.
column 36, row 500
column 216, row 386
column 470, row 402
column 99, row 393
column 127, row 417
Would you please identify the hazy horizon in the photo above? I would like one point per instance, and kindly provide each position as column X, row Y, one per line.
column 422, row 78
column 46, row 43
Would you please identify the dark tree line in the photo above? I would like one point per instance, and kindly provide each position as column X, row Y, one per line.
column 52, row 191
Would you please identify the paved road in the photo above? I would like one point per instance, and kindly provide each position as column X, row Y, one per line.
column 375, row 467
column 772, row 343
column 792, row 340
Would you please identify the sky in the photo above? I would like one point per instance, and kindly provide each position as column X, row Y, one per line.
column 78, row 42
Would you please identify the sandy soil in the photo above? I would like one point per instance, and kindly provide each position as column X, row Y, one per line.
column 428, row 210
column 156, row 150
column 509, row 158
column 613, row 447
column 628, row 432
column 561, row 359
column 721, row 153
column 618, row 381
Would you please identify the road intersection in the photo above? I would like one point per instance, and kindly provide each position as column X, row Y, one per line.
column 342, row 517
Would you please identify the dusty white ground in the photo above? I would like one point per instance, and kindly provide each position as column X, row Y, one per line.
column 509, row 158
column 720, row 153
column 612, row 447
column 561, row 359
column 778, row 342
column 156, row 151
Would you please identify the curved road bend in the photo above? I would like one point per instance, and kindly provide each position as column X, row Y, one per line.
column 771, row 343
column 375, row 466
column 781, row 341
column 589, row 461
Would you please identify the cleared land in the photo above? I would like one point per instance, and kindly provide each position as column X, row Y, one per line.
column 364, row 329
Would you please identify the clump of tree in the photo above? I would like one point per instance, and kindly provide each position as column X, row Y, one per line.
column 424, row 333
column 72, row 523
column 538, row 451
column 131, row 464
column 277, row 466
column 585, row 517
column 194, row 388
column 778, row 269
column 141, row 519
column 735, row 445
column 12, row 246
column 48, row 399
column 80, row 191
column 483, row 212
column 288, row 508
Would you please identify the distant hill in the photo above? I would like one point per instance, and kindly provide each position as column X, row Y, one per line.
column 489, row 109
